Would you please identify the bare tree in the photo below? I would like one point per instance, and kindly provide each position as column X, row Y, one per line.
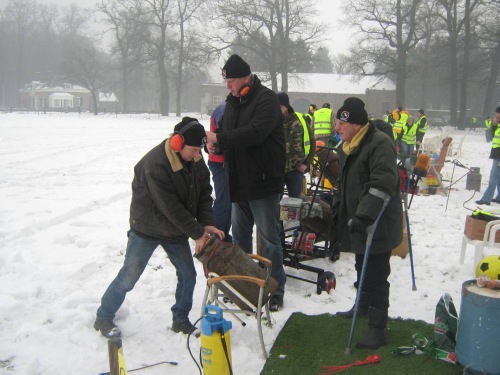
column 128, row 20
column 388, row 29
column 160, row 19
column 489, row 33
column 453, row 13
column 20, row 20
column 85, row 65
column 280, row 21
column 186, row 10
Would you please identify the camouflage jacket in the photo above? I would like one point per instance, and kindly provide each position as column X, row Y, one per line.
column 294, row 143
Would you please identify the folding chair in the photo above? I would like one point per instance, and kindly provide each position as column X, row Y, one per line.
column 235, row 292
column 479, row 245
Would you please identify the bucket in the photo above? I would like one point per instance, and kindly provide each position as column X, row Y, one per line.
column 290, row 208
column 478, row 331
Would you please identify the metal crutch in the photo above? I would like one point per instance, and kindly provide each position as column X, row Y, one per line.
column 370, row 231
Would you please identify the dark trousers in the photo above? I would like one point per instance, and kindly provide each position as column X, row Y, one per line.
column 376, row 284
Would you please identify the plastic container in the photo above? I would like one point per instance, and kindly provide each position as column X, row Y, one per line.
column 215, row 359
column 290, row 208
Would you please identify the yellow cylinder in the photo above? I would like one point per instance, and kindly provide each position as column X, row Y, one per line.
column 213, row 354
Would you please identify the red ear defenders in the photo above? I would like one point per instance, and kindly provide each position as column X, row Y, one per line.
column 244, row 90
column 177, row 140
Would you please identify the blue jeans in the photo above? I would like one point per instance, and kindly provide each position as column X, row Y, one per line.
column 139, row 251
column 222, row 203
column 294, row 182
column 487, row 133
column 264, row 213
column 494, row 182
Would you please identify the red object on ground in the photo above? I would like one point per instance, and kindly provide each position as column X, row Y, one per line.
column 371, row 359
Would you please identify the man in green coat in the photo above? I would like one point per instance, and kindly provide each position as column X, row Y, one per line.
column 368, row 173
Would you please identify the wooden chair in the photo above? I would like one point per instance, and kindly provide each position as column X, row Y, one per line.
column 215, row 295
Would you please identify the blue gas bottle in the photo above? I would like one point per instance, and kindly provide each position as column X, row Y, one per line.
column 215, row 342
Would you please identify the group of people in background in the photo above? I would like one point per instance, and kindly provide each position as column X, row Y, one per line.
column 408, row 132
column 257, row 145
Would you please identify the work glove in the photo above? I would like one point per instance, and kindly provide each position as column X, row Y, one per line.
column 359, row 224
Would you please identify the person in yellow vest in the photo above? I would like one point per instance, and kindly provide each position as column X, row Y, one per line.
column 300, row 146
column 400, row 117
column 310, row 114
column 387, row 117
column 422, row 125
column 408, row 138
column 487, row 128
column 473, row 122
column 322, row 123
column 494, row 182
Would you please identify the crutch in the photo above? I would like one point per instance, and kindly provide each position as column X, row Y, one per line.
column 369, row 231
column 405, row 203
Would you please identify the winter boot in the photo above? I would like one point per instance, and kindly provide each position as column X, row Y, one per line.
column 377, row 321
column 362, row 307
column 107, row 328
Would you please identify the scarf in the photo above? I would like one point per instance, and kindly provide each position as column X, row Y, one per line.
column 349, row 147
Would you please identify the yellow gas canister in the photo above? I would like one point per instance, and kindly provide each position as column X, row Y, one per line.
column 215, row 342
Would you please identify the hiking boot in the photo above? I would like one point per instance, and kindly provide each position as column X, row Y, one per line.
column 375, row 338
column 107, row 328
column 276, row 303
column 483, row 202
column 185, row 327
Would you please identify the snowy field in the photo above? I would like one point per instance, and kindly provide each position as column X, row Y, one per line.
column 64, row 201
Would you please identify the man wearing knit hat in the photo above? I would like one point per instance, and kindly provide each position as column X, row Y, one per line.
column 254, row 152
column 368, row 174
column 171, row 202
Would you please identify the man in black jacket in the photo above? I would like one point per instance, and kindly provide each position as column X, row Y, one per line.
column 171, row 202
column 254, row 154
column 368, row 176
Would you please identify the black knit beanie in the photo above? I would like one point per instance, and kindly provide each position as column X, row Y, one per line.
column 353, row 111
column 193, row 132
column 235, row 67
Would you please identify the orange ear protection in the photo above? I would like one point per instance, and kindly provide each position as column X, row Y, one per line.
column 177, row 140
column 244, row 90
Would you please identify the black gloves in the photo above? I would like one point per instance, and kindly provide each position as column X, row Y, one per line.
column 359, row 224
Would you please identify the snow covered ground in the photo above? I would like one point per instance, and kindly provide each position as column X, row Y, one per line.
column 64, row 201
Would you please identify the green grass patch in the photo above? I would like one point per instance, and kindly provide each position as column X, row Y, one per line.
column 308, row 342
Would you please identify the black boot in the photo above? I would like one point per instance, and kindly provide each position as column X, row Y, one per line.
column 362, row 307
column 377, row 321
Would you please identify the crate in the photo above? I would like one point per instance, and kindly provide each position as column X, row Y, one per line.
column 474, row 229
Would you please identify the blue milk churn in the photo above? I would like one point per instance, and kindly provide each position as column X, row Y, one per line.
column 478, row 331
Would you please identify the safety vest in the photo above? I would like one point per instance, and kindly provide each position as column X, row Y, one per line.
column 323, row 122
column 409, row 134
column 487, row 124
column 424, row 129
column 307, row 139
column 496, row 138
column 398, row 125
